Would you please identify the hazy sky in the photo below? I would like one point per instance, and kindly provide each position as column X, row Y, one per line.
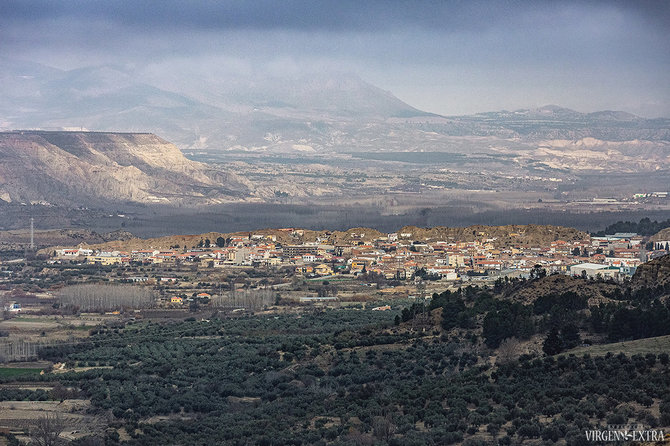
column 448, row 57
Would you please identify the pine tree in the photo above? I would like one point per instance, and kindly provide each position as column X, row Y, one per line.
column 570, row 336
column 553, row 344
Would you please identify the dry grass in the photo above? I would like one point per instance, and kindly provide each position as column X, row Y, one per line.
column 656, row 345
column 22, row 415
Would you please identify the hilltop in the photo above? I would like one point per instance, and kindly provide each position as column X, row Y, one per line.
column 18, row 239
column 525, row 235
column 504, row 235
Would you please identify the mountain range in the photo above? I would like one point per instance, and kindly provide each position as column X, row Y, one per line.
column 330, row 113
column 104, row 135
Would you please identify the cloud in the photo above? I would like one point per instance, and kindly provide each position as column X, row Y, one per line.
column 327, row 16
column 459, row 49
column 322, row 16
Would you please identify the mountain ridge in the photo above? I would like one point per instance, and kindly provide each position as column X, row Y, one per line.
column 327, row 112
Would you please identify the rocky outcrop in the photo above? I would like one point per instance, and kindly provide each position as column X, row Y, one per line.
column 509, row 235
column 93, row 169
column 653, row 274
column 557, row 284
column 661, row 236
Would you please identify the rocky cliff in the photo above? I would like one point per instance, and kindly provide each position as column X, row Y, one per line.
column 91, row 169
column 653, row 274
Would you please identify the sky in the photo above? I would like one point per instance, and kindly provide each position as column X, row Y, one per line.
column 447, row 57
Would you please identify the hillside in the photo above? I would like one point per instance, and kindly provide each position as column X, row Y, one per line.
column 595, row 292
column 93, row 169
column 653, row 274
column 18, row 239
column 511, row 235
column 662, row 235
column 508, row 235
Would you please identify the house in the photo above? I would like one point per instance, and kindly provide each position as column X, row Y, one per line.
column 358, row 265
column 299, row 250
column 105, row 259
column 444, row 272
column 304, row 269
column 308, row 258
column 72, row 252
column 323, row 270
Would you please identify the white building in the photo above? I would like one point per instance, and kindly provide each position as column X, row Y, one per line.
column 593, row 269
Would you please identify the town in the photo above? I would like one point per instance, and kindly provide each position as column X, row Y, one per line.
column 470, row 298
column 297, row 265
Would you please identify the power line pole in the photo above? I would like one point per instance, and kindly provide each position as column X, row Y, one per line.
column 32, row 234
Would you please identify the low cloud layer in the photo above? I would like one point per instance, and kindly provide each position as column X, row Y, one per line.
column 448, row 57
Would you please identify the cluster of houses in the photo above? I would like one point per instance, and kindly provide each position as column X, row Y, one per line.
column 399, row 256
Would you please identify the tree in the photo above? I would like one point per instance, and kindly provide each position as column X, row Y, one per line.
column 103, row 297
column 497, row 326
column 47, row 430
column 538, row 272
column 220, row 242
column 576, row 252
column 509, row 351
column 383, row 427
column 553, row 344
column 570, row 336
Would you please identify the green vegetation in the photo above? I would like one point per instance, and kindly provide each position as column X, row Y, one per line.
column 352, row 376
column 27, row 319
column 10, row 372
column 327, row 378
column 644, row 227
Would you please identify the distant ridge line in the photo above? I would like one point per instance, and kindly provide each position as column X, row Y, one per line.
column 98, row 132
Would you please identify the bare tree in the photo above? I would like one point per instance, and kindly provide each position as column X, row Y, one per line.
column 19, row 350
column 359, row 438
column 253, row 300
column 47, row 431
column 383, row 427
column 103, row 297
column 508, row 351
